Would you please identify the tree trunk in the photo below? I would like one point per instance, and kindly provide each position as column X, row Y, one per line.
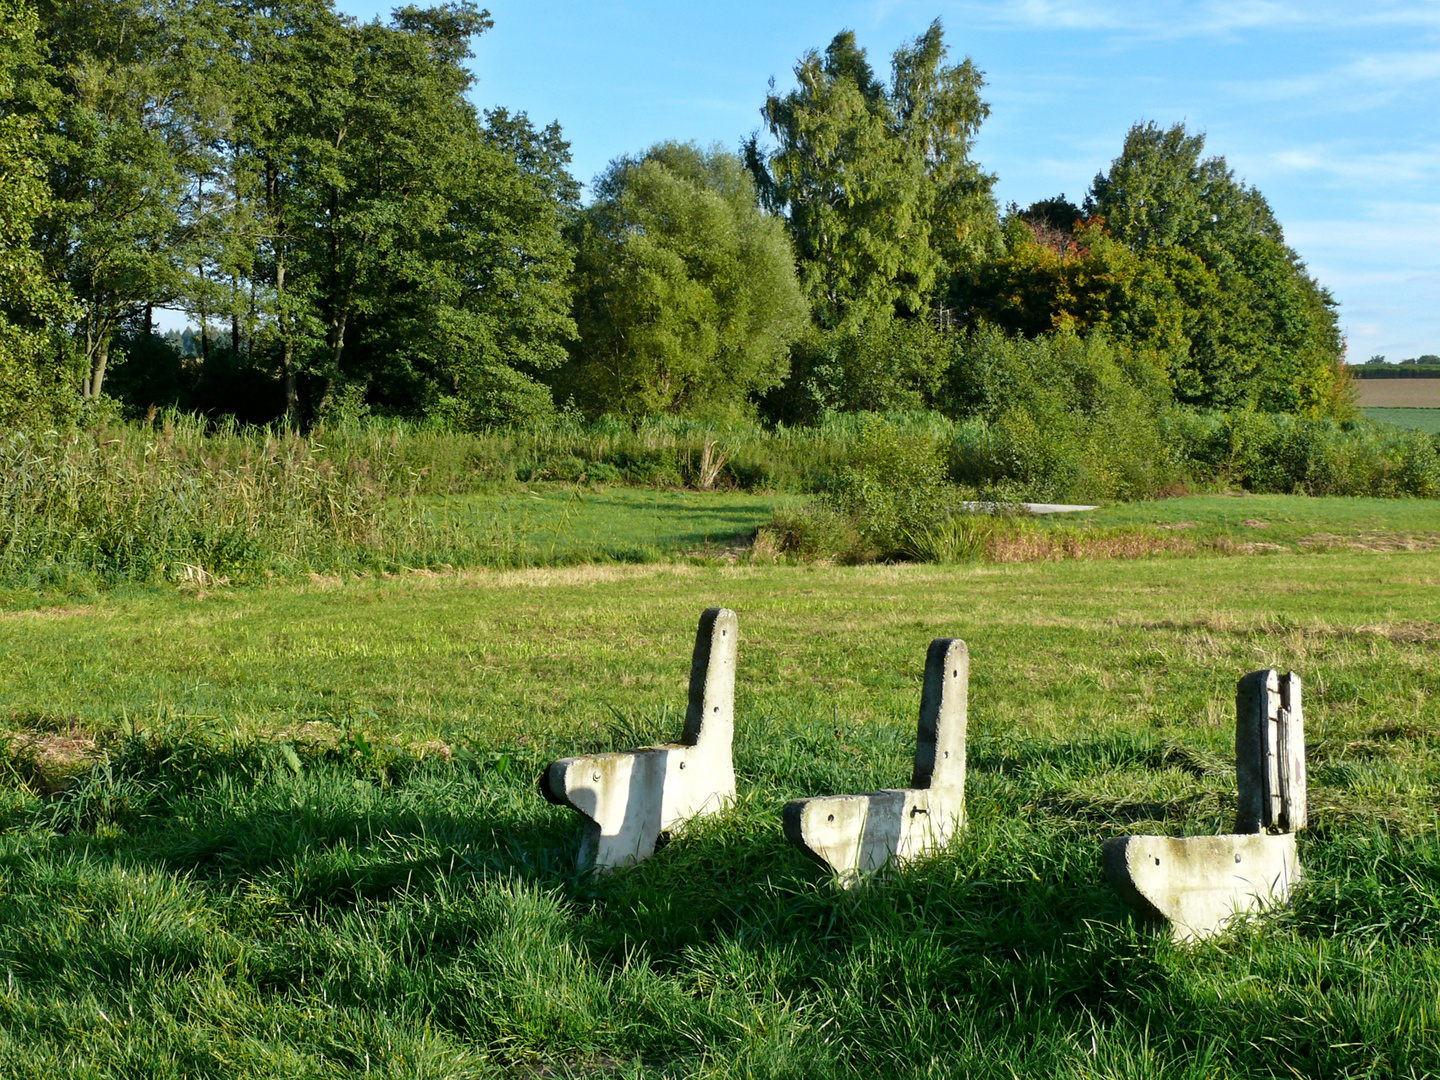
column 292, row 395
column 97, row 374
column 97, row 352
column 337, row 346
column 287, row 353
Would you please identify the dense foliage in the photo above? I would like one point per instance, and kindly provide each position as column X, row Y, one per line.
column 316, row 194
column 686, row 295
column 346, row 233
column 32, row 364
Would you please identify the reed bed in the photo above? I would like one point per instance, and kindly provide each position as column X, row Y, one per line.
column 176, row 502
column 181, row 499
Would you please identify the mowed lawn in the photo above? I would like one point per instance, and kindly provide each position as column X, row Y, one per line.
column 294, row 832
column 558, row 524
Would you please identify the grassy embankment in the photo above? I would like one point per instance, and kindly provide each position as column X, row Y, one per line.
column 293, row 831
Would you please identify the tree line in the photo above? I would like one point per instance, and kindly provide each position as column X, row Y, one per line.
column 344, row 230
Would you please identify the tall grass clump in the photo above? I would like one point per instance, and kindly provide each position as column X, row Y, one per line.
column 172, row 501
column 657, row 451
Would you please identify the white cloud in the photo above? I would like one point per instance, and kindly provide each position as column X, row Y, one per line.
column 1365, row 83
column 1182, row 18
column 1384, row 267
column 1348, row 166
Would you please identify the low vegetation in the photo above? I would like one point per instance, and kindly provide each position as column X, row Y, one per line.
column 296, row 603
column 175, row 500
column 294, row 832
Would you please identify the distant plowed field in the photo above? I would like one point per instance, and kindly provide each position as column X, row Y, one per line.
column 1399, row 393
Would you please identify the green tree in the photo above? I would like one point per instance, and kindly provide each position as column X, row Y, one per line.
column 492, row 314
column 121, row 145
column 686, row 294
column 32, row 305
column 1259, row 330
column 392, row 149
column 1074, row 276
column 398, row 246
column 876, row 182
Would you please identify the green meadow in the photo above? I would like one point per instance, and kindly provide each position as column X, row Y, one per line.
column 294, row 831
column 558, row 524
column 1422, row 419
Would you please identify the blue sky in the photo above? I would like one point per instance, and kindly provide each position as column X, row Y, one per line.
column 1331, row 109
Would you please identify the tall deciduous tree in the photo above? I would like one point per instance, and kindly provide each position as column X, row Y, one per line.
column 32, row 304
column 687, row 298
column 876, row 181
column 1259, row 329
column 491, row 313
column 119, row 149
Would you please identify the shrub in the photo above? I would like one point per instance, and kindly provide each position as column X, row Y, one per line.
column 1272, row 452
column 886, row 365
column 1057, row 417
column 892, row 486
column 813, row 532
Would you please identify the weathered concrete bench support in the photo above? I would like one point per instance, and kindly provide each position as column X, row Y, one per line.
column 1196, row 884
column 629, row 799
column 856, row 834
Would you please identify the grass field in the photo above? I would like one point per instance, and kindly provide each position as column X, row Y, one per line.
column 293, row 832
column 556, row 524
column 1273, row 519
column 1427, row 419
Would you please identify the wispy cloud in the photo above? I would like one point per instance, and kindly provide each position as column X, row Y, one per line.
column 1346, row 165
column 1169, row 19
column 1366, row 82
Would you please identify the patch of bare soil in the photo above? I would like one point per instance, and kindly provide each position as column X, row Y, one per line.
column 1036, row 546
column 46, row 760
column 1371, row 541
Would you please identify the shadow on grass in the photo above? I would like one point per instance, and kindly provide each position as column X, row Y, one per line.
column 400, row 897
